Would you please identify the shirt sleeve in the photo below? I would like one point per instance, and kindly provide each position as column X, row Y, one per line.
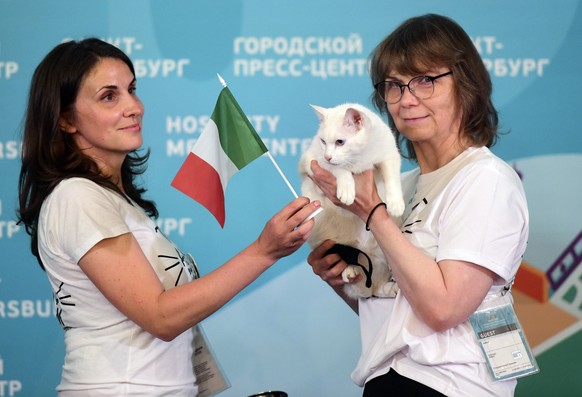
column 486, row 222
column 82, row 214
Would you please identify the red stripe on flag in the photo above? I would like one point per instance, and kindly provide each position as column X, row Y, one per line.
column 200, row 181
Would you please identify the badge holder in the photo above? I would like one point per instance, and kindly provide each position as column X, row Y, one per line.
column 502, row 340
column 210, row 378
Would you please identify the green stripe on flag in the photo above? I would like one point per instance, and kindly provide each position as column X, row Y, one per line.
column 238, row 138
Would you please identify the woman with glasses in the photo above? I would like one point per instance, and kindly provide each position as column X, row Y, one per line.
column 464, row 231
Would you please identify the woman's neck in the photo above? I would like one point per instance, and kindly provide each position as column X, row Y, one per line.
column 431, row 158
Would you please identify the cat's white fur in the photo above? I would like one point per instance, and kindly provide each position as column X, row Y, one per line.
column 350, row 140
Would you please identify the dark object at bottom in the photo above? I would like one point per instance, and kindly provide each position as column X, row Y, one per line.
column 350, row 255
column 275, row 393
column 397, row 385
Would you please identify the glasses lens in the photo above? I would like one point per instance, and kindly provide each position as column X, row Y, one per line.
column 381, row 89
column 389, row 91
column 393, row 92
column 422, row 87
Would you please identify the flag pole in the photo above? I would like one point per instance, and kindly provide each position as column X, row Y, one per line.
column 268, row 153
column 221, row 80
column 282, row 175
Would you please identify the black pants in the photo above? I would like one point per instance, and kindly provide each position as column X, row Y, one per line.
column 395, row 385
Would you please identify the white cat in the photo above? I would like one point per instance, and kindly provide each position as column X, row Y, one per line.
column 350, row 140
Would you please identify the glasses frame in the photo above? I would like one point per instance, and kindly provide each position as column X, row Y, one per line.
column 431, row 78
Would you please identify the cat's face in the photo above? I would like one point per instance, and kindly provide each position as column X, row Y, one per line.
column 340, row 136
column 335, row 144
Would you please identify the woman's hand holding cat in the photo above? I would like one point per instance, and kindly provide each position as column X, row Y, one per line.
column 328, row 267
column 367, row 196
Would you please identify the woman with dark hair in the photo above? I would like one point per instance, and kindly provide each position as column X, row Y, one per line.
column 127, row 297
column 460, row 241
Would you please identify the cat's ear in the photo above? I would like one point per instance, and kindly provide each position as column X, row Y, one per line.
column 355, row 118
column 319, row 111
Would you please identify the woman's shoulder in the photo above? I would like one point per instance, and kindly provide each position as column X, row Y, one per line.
column 78, row 186
column 76, row 183
column 483, row 160
column 486, row 171
column 80, row 191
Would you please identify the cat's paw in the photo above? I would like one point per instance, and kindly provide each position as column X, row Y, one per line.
column 350, row 273
column 346, row 195
column 388, row 290
column 395, row 206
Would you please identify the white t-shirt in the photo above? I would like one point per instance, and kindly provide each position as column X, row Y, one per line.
column 106, row 353
column 473, row 209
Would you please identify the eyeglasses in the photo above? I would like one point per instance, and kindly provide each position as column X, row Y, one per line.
column 421, row 87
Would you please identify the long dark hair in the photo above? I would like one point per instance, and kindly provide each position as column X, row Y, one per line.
column 49, row 155
column 423, row 42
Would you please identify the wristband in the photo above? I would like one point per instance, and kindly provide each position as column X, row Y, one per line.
column 372, row 213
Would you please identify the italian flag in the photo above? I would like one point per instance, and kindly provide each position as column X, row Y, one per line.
column 227, row 144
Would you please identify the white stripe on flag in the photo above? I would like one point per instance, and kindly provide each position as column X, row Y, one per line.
column 208, row 148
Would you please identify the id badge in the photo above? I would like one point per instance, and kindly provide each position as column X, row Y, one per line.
column 210, row 377
column 502, row 340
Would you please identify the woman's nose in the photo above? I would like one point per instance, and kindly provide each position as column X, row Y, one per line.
column 408, row 97
column 134, row 107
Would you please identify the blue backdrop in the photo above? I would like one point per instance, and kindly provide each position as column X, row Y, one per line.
column 289, row 331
